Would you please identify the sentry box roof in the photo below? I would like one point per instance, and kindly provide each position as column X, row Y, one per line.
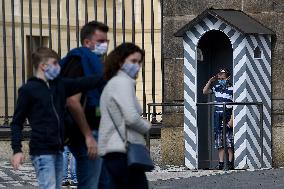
column 235, row 18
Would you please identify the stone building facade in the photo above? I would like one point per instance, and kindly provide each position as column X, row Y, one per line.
column 19, row 46
column 22, row 45
column 177, row 14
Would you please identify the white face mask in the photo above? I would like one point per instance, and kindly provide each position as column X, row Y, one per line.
column 100, row 48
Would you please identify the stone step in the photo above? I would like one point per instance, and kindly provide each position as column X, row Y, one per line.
column 5, row 133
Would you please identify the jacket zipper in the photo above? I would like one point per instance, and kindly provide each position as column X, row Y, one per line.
column 57, row 117
column 58, row 121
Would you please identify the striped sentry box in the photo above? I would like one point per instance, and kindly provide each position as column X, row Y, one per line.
column 252, row 83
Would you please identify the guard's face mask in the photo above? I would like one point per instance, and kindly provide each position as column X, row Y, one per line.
column 222, row 82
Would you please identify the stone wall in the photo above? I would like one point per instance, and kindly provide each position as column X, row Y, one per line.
column 176, row 14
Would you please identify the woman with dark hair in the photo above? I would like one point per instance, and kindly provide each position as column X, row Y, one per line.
column 121, row 116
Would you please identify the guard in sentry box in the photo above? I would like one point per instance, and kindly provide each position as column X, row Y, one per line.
column 42, row 101
column 223, row 91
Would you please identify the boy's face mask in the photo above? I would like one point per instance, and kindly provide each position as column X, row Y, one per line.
column 52, row 71
column 131, row 69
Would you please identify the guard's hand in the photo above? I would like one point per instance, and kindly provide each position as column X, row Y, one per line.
column 228, row 78
column 91, row 146
column 230, row 124
column 17, row 160
column 214, row 78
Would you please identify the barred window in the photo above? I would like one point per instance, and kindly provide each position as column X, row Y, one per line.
column 257, row 53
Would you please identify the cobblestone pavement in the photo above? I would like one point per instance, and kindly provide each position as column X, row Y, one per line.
column 262, row 179
column 24, row 178
column 167, row 178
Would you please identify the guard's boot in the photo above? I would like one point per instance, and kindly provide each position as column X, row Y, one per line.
column 221, row 166
column 231, row 165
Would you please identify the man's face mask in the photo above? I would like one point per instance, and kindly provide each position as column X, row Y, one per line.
column 131, row 69
column 100, row 48
column 52, row 71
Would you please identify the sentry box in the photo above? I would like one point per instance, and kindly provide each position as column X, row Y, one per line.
column 215, row 39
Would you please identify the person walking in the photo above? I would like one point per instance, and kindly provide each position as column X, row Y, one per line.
column 120, row 114
column 42, row 101
column 83, row 114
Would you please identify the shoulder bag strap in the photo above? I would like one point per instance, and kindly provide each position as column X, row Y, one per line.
column 116, row 128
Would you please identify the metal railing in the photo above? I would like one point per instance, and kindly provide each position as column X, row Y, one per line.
column 224, row 104
column 154, row 105
column 150, row 115
column 52, row 19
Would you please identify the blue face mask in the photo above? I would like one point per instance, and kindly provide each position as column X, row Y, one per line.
column 131, row 69
column 100, row 48
column 222, row 82
column 52, row 72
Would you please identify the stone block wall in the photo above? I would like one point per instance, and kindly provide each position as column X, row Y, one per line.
column 178, row 13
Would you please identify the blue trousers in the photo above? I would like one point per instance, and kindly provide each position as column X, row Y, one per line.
column 90, row 173
column 218, row 130
column 66, row 161
column 218, row 120
column 49, row 170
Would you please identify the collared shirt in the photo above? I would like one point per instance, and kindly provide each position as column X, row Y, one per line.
column 223, row 94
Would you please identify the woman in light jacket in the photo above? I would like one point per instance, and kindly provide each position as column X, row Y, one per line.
column 119, row 107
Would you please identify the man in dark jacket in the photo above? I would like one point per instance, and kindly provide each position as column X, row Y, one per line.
column 84, row 107
column 42, row 101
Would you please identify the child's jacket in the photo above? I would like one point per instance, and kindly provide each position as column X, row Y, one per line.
column 44, row 106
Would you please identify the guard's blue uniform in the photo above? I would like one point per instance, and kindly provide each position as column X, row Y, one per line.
column 222, row 94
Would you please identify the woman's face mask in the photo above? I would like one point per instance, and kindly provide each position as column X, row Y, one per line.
column 52, row 71
column 132, row 69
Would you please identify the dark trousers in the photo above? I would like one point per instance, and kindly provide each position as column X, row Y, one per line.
column 121, row 176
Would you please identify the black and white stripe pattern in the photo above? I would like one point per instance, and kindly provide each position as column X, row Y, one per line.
column 252, row 83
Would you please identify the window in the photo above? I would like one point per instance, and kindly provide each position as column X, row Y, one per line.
column 257, row 53
column 35, row 45
column 200, row 56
